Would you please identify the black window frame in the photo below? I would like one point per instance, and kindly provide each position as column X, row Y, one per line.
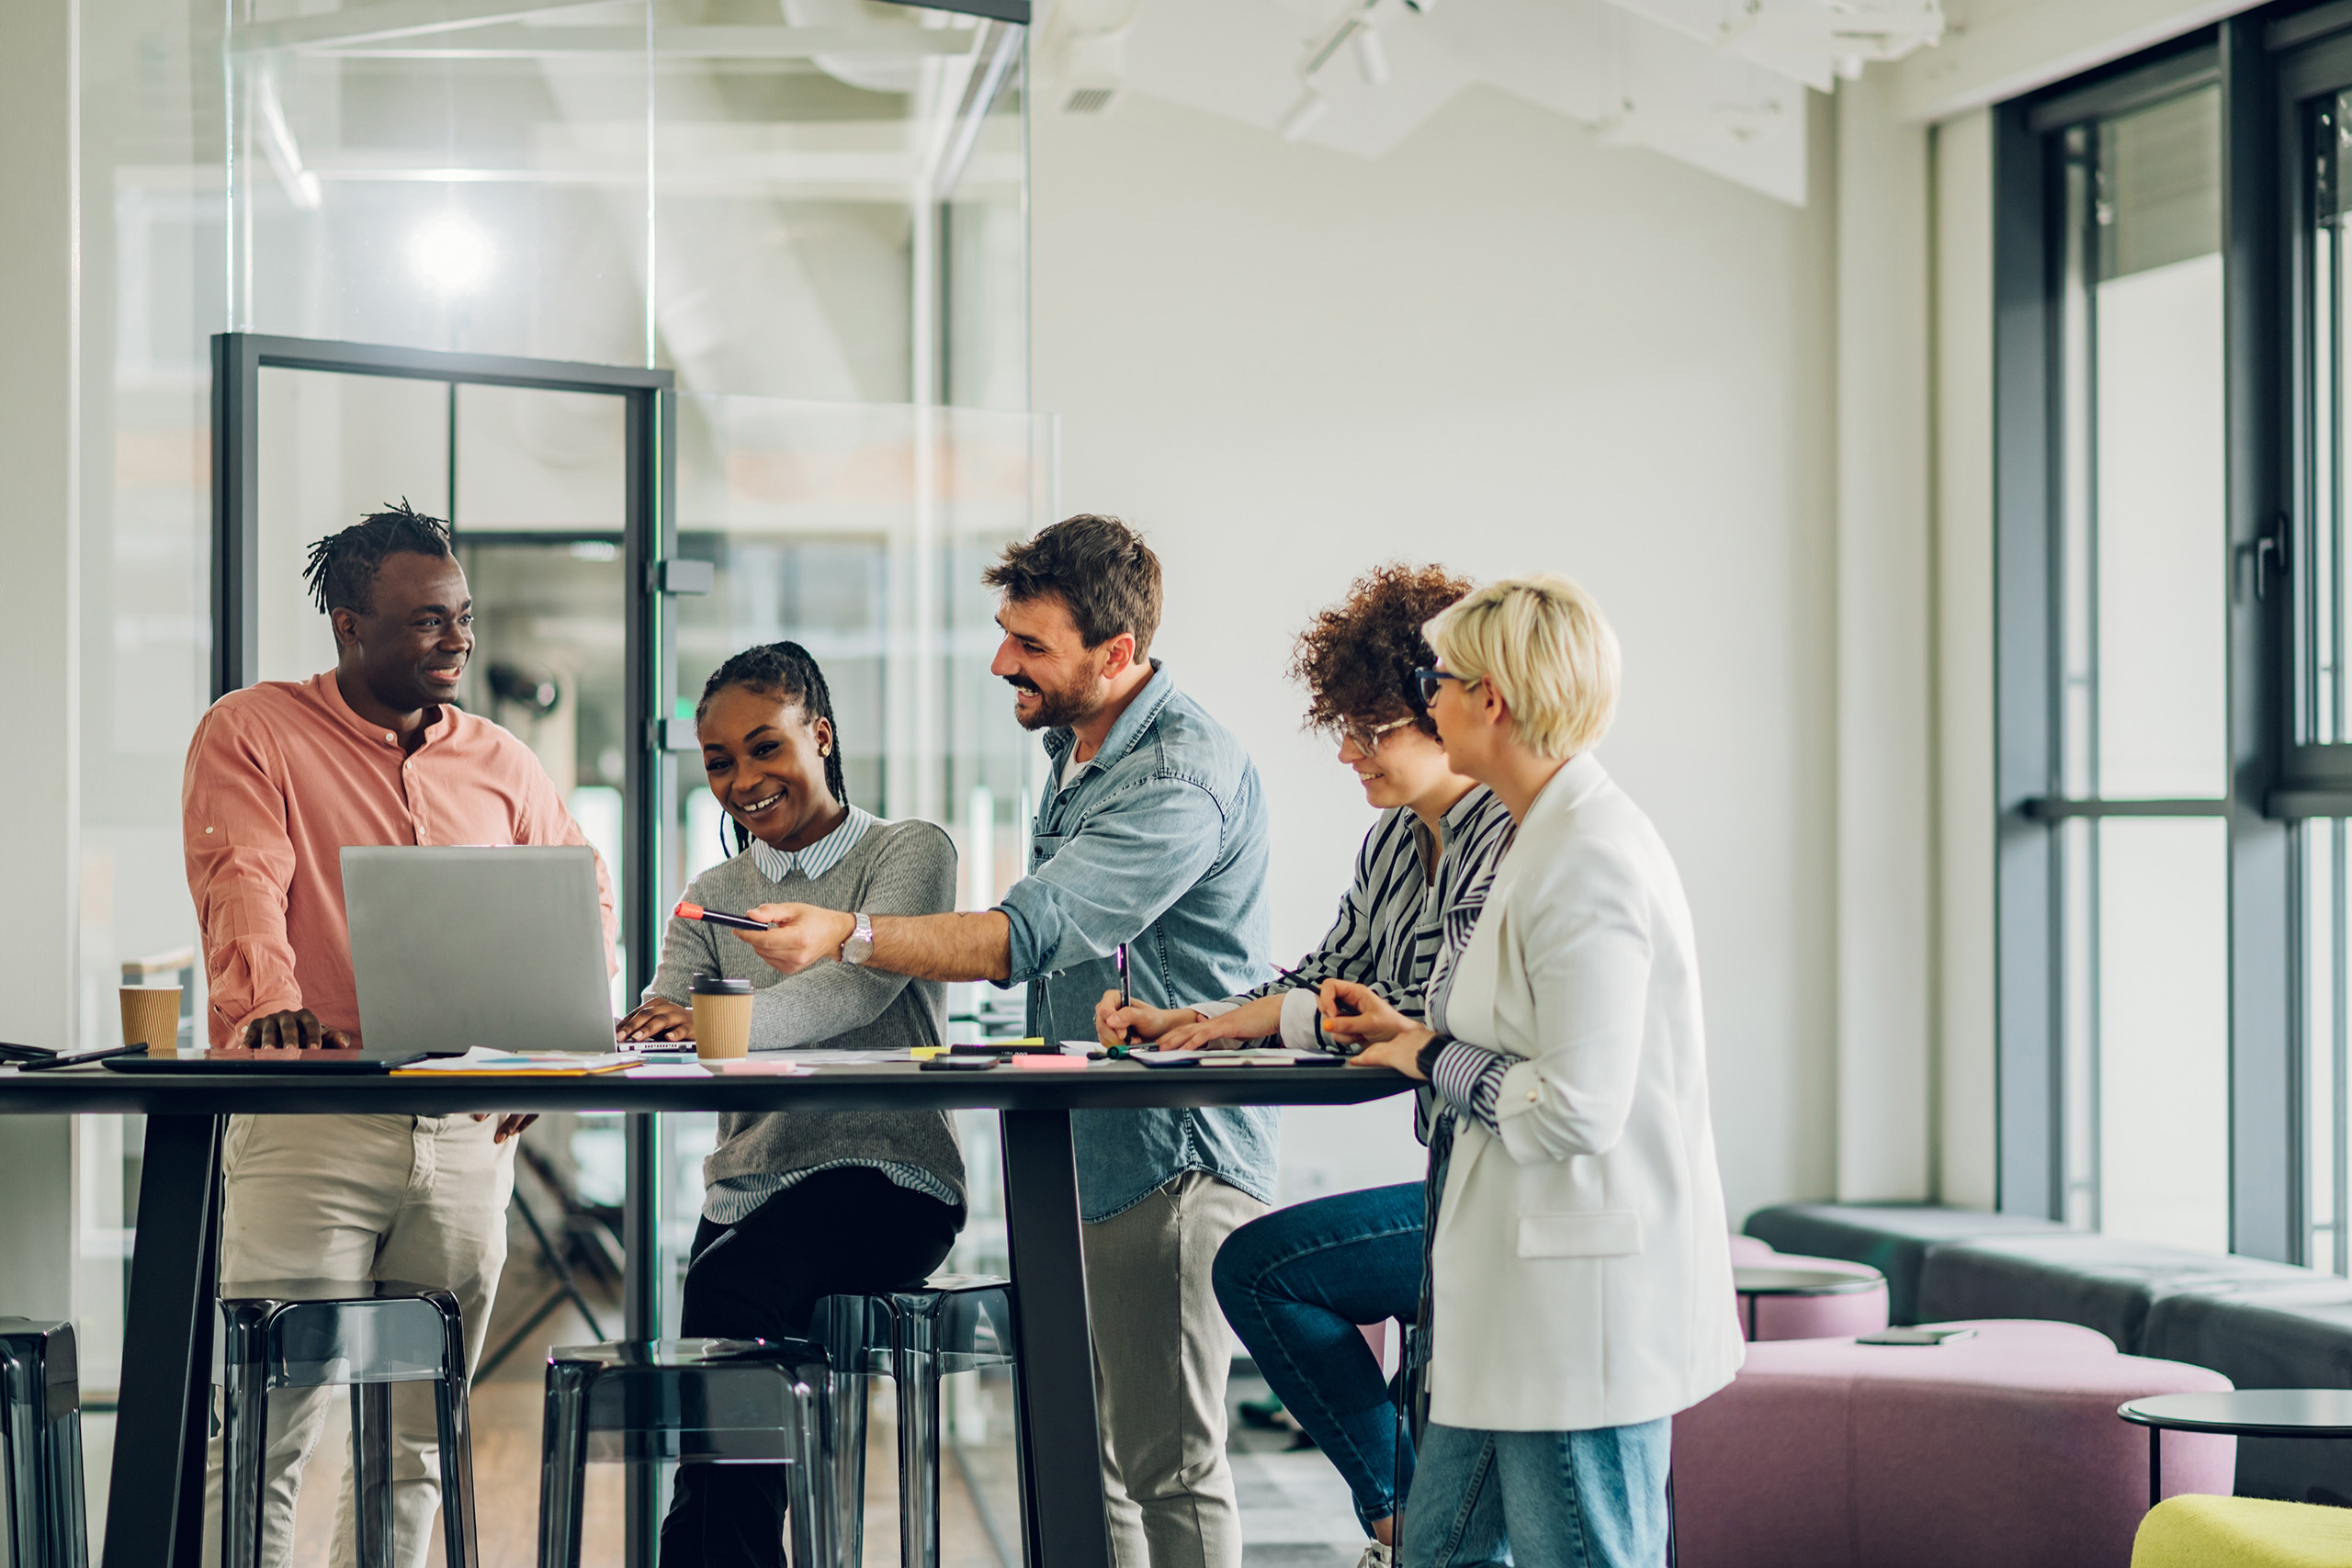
column 2264, row 1156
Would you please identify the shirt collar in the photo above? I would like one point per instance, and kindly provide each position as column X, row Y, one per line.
column 818, row 858
column 1458, row 815
column 329, row 692
column 1140, row 716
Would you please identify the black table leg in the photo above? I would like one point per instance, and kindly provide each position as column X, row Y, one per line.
column 2155, row 1465
column 156, row 1494
column 1063, row 1521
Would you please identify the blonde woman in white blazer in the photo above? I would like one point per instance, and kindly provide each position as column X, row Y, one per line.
column 1579, row 1271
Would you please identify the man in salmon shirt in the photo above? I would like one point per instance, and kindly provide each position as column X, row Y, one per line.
column 280, row 776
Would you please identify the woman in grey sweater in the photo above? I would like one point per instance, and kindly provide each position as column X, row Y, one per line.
column 799, row 1204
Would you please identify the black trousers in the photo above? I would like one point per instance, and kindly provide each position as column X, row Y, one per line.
column 847, row 1232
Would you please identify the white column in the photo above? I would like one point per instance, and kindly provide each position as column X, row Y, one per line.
column 1963, row 174
column 41, row 635
column 1885, row 630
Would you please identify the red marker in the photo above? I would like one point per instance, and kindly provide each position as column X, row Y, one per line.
column 686, row 912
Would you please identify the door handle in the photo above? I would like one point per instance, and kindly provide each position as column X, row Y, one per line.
column 679, row 576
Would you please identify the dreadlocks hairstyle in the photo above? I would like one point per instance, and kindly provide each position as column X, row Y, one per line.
column 786, row 671
column 343, row 567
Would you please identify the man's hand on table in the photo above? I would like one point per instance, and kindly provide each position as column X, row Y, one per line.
column 657, row 1018
column 798, row 935
column 295, row 1028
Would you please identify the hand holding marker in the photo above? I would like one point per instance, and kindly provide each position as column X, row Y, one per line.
column 686, row 912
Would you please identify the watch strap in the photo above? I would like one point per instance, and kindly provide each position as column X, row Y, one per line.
column 859, row 947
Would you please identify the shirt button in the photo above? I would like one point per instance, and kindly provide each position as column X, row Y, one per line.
column 1530, row 1097
column 208, row 830
column 389, row 740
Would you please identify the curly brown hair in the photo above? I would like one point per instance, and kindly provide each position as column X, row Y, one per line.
column 1356, row 659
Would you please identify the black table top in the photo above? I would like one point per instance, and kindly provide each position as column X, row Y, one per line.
column 2249, row 1412
column 886, row 1086
column 1763, row 1279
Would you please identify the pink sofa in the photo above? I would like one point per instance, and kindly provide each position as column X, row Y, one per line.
column 2003, row 1449
column 1810, row 1317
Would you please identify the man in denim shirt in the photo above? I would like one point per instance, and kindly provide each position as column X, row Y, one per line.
column 1152, row 832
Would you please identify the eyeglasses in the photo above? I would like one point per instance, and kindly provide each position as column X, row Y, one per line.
column 1427, row 681
column 1365, row 737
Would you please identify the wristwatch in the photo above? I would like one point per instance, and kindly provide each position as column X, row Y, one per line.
column 859, row 947
column 1426, row 1059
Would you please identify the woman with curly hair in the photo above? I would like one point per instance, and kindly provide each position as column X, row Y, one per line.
column 1294, row 1283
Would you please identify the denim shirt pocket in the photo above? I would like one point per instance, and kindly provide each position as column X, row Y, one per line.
column 1043, row 847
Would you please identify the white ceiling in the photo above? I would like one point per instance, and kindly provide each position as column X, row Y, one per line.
column 1719, row 84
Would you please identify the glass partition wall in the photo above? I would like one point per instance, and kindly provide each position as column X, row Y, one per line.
column 811, row 212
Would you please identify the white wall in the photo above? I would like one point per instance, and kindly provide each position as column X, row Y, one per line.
column 1505, row 347
column 39, row 773
column 1885, row 797
column 1963, row 295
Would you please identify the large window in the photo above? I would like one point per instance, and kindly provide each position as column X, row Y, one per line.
column 2175, row 747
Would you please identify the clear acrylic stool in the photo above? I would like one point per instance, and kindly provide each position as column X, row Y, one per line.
column 40, row 1425
column 951, row 1323
column 369, row 1333
column 686, row 1402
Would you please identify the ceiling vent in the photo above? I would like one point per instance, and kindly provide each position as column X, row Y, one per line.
column 1088, row 100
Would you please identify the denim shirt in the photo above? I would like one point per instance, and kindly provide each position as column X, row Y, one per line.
column 1161, row 842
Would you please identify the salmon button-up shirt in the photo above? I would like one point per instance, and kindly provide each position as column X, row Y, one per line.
column 280, row 777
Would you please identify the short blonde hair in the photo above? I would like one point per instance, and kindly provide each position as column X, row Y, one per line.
column 1545, row 647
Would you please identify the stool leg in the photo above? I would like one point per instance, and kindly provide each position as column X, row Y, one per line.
column 244, row 1428
column 841, row 1325
column 564, row 1466
column 814, row 1512
column 64, row 1520
column 371, row 1473
column 19, row 1407
column 457, row 1473
column 2155, row 1465
column 914, row 1365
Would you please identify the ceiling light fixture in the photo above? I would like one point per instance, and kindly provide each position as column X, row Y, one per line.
column 451, row 254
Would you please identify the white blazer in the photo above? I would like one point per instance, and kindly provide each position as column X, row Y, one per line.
column 1581, row 1268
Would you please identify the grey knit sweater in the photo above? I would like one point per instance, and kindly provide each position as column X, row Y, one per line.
column 898, row 868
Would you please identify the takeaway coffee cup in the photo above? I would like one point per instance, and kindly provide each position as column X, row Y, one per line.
column 722, row 1017
column 151, row 1017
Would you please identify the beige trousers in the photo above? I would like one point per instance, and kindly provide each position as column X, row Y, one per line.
column 415, row 1198
column 1161, row 1353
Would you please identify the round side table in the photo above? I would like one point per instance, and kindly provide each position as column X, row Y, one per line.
column 2239, row 1412
column 1748, row 1283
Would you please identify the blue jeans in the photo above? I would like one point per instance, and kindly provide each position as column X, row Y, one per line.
column 1593, row 1499
column 1294, row 1285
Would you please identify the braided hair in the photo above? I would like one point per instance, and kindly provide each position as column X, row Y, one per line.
column 342, row 567
column 786, row 671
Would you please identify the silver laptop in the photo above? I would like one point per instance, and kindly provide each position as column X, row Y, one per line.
column 500, row 946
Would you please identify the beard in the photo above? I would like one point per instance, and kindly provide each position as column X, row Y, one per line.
column 1059, row 708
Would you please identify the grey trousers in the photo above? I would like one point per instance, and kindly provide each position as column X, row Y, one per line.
column 1161, row 1353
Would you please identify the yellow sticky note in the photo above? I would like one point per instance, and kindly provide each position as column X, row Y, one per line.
column 925, row 1053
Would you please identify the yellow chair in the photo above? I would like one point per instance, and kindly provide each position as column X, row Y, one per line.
column 2193, row 1531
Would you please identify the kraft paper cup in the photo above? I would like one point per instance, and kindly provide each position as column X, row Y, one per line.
column 151, row 1017
column 722, row 1017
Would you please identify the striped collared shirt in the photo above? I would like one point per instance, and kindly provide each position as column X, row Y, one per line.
column 1394, row 921
column 818, row 858
column 731, row 1201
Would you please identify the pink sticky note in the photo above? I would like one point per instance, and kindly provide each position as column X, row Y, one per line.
column 1043, row 1062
